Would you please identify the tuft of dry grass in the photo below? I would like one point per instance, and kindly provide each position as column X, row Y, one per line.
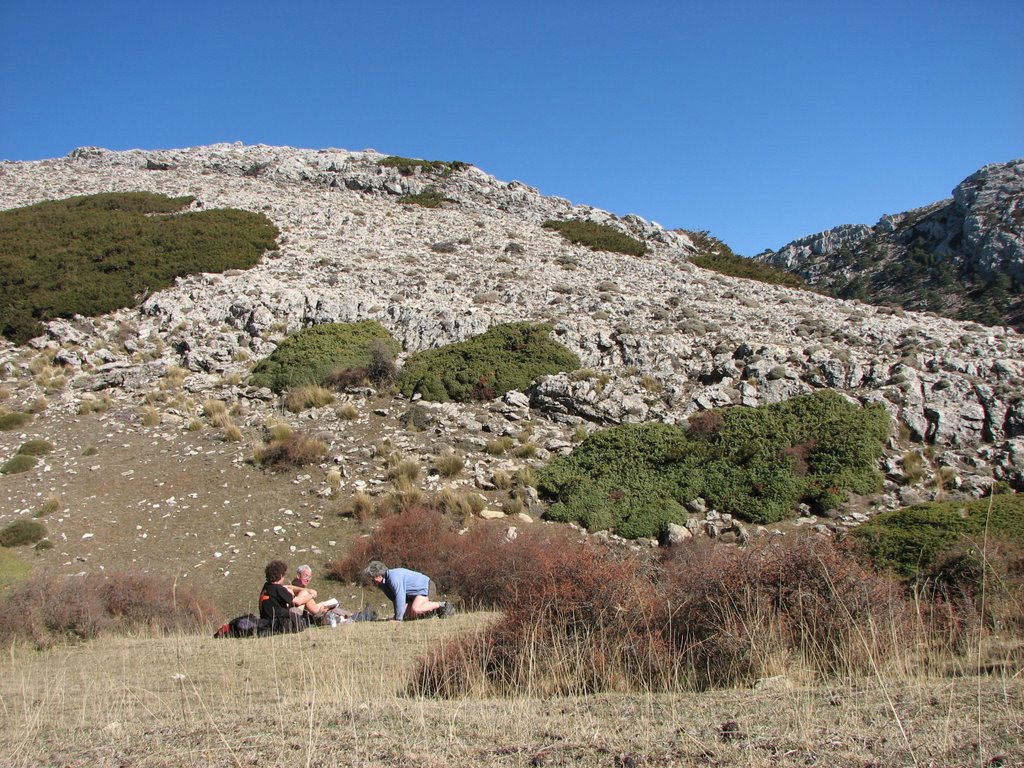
column 302, row 399
column 449, row 465
column 150, row 416
column 347, row 412
column 297, row 449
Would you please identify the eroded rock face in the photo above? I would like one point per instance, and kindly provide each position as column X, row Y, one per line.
column 978, row 234
column 661, row 338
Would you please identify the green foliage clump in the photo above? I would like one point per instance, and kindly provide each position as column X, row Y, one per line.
column 22, row 532
column 910, row 539
column 506, row 357
column 311, row 355
column 715, row 255
column 19, row 462
column 755, row 463
column 431, row 197
column 14, row 420
column 408, row 165
column 598, row 237
column 93, row 254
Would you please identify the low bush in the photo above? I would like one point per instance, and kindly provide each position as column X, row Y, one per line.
column 580, row 619
column 598, row 237
column 449, row 465
column 19, row 462
column 46, row 609
column 431, row 197
column 506, row 357
column 21, row 533
column 14, row 420
column 909, row 540
column 118, row 246
column 755, row 463
column 35, row 448
column 313, row 354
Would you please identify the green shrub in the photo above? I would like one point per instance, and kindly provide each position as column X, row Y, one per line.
column 313, row 354
column 506, row 357
column 14, row 420
column 715, row 255
column 599, row 237
column 116, row 246
column 35, row 447
column 19, row 462
column 755, row 463
column 408, row 165
column 908, row 540
column 22, row 532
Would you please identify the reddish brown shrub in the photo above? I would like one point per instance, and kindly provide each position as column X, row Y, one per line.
column 347, row 378
column 730, row 612
column 704, row 424
column 46, row 607
column 416, row 537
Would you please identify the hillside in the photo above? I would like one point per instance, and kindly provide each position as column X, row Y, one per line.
column 435, row 253
column 961, row 258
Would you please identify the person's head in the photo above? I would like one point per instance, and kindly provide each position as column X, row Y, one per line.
column 303, row 575
column 275, row 570
column 375, row 571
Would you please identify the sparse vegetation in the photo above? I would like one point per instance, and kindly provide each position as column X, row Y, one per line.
column 311, row 355
column 598, row 237
column 303, row 398
column 506, row 357
column 407, row 166
column 36, row 447
column 118, row 246
column 755, row 463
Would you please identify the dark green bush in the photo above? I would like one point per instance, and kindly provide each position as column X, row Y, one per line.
column 910, row 539
column 506, row 357
column 599, row 237
column 19, row 462
column 90, row 255
column 312, row 355
column 715, row 255
column 21, row 533
column 408, row 165
column 14, row 419
column 35, row 447
column 755, row 463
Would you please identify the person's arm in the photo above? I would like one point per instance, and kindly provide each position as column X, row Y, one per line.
column 397, row 586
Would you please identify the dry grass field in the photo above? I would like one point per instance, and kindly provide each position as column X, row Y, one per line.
column 338, row 698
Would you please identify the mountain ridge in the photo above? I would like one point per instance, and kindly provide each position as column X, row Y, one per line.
column 962, row 257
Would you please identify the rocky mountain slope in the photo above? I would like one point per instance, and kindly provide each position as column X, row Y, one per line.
column 962, row 257
column 659, row 337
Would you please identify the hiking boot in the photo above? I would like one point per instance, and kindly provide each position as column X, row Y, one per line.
column 446, row 611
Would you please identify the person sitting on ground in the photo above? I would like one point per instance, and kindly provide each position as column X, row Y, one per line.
column 276, row 600
column 408, row 590
column 304, row 598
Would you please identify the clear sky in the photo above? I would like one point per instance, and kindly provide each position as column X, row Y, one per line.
column 759, row 121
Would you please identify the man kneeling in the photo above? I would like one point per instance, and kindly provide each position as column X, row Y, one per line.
column 408, row 590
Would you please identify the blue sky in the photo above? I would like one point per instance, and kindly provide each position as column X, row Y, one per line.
column 758, row 121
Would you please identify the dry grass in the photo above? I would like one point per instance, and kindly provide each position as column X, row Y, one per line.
column 338, row 697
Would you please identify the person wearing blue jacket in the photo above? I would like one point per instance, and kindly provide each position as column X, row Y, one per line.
column 408, row 590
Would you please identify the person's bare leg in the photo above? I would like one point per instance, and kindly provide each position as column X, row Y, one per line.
column 420, row 607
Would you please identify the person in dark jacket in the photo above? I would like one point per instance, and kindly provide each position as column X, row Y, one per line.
column 408, row 590
column 276, row 600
